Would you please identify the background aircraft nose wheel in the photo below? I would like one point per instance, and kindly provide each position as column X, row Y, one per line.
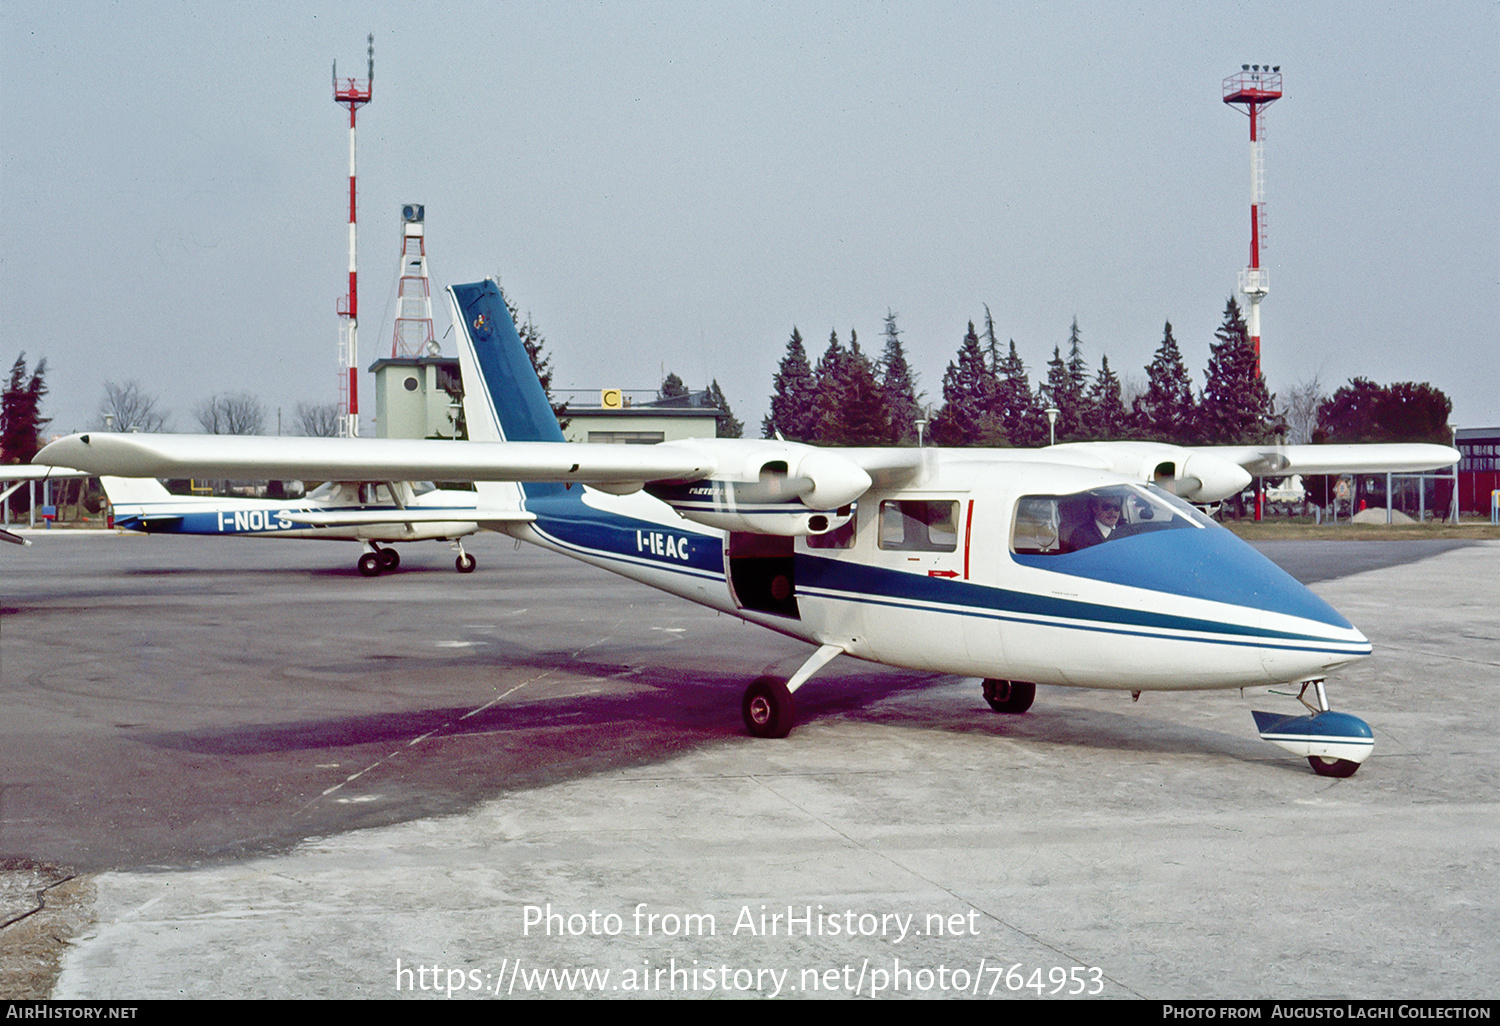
column 465, row 563
column 768, row 708
column 389, row 559
column 1009, row 696
column 369, row 564
column 1332, row 767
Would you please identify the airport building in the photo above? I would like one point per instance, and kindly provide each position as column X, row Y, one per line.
column 1479, row 469
column 420, row 396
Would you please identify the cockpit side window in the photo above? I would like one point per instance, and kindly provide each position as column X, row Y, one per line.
column 1058, row 524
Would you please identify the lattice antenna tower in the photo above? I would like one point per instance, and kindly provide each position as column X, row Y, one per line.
column 353, row 94
column 413, row 335
column 1255, row 88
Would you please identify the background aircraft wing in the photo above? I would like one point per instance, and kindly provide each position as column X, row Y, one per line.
column 410, row 515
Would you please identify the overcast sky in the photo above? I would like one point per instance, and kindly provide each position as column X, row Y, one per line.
column 674, row 186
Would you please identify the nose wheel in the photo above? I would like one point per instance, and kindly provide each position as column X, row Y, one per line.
column 465, row 563
column 1333, row 743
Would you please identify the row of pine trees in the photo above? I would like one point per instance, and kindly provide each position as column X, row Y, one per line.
column 988, row 399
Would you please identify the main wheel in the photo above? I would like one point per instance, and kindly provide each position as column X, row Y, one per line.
column 466, row 563
column 1009, row 696
column 1332, row 767
column 389, row 559
column 369, row 564
column 768, row 708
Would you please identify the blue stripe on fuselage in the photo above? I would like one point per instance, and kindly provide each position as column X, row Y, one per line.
column 565, row 519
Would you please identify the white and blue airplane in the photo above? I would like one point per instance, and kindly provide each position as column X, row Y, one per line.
column 372, row 513
column 953, row 561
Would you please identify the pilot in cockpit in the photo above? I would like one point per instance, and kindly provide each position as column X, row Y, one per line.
column 1103, row 522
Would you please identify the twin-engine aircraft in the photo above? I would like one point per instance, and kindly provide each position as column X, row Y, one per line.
column 1077, row 565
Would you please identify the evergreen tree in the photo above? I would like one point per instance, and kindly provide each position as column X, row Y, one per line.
column 1016, row 404
column 1236, row 407
column 968, row 399
column 728, row 426
column 1108, row 417
column 793, row 391
column 672, row 387
column 1166, row 412
column 828, row 396
column 21, row 419
column 898, row 386
column 531, row 338
column 864, row 417
column 1067, row 388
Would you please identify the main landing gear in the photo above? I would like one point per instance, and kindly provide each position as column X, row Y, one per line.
column 1334, row 743
column 377, row 561
column 1009, row 696
column 768, row 708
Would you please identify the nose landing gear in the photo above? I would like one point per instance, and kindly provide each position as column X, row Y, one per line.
column 1333, row 743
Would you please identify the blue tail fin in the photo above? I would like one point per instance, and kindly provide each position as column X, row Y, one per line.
column 503, row 400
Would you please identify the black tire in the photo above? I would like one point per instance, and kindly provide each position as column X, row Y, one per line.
column 369, row 565
column 1009, row 696
column 768, row 708
column 1332, row 767
column 389, row 559
column 465, row 563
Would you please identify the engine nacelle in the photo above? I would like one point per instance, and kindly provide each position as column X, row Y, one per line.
column 759, row 507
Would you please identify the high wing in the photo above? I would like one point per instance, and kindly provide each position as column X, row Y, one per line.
column 360, row 459
column 1377, row 458
column 1211, row 473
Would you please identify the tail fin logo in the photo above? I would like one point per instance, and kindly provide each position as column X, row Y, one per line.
column 482, row 324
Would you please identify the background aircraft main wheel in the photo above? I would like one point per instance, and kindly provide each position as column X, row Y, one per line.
column 369, row 564
column 1009, row 696
column 466, row 563
column 389, row 559
column 1332, row 767
column 768, row 708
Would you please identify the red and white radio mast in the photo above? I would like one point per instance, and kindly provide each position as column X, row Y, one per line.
column 353, row 94
column 1256, row 87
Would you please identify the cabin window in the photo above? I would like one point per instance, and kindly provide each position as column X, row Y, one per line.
column 919, row 525
column 1057, row 524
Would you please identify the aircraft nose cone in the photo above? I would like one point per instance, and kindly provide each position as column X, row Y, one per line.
column 1304, row 636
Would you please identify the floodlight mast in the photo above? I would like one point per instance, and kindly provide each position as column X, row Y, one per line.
column 1255, row 88
column 353, row 94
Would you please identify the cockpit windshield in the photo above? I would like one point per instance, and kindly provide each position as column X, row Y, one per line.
column 1053, row 525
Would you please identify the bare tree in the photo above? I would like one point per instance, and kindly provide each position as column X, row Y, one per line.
column 317, row 420
column 1300, row 410
column 126, row 407
column 233, row 413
